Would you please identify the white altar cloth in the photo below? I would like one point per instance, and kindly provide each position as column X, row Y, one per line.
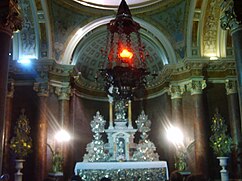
column 120, row 165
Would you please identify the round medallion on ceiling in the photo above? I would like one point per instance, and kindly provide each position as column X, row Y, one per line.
column 111, row 4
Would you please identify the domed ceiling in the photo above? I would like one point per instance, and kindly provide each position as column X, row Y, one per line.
column 76, row 32
column 88, row 59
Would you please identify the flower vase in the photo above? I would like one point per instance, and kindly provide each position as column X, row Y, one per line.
column 18, row 165
column 223, row 161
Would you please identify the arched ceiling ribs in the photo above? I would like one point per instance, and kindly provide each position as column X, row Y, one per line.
column 68, row 53
column 191, row 22
column 211, row 30
column 205, row 37
column 48, row 38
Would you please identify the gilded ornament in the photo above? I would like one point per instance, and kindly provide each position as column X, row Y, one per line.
column 220, row 141
column 21, row 143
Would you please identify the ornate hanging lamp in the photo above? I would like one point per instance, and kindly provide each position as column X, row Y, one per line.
column 125, row 69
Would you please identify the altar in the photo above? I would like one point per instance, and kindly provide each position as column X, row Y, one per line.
column 143, row 171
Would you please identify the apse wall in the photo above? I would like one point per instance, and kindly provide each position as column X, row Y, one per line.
column 82, row 111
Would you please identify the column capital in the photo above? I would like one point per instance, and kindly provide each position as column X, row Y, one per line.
column 196, row 86
column 42, row 89
column 229, row 18
column 59, row 77
column 11, row 21
column 231, row 86
column 63, row 93
column 176, row 90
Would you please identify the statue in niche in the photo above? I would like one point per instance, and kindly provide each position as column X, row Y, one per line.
column 120, row 149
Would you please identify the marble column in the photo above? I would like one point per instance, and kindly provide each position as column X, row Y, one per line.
column 73, row 110
column 176, row 91
column 40, row 167
column 8, row 125
column 234, row 121
column 231, row 20
column 63, row 94
column 200, row 133
column 10, row 21
column 64, row 99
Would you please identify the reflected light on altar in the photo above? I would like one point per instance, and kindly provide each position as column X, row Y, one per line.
column 175, row 135
column 62, row 136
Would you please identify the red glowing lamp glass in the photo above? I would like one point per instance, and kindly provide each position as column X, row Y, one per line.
column 126, row 54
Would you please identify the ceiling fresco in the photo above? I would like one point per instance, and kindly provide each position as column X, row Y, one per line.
column 67, row 17
column 174, row 20
column 169, row 22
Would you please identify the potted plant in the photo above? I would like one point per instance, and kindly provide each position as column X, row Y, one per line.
column 21, row 143
column 220, row 142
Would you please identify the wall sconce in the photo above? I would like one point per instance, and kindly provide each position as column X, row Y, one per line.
column 62, row 136
column 175, row 136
